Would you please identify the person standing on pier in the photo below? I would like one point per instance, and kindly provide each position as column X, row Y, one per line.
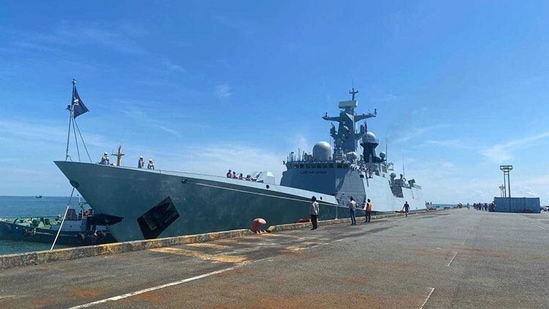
column 314, row 213
column 352, row 207
column 368, row 211
column 406, row 208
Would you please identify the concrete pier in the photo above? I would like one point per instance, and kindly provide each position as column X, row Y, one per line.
column 446, row 259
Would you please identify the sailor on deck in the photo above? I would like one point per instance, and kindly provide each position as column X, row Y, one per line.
column 104, row 159
column 150, row 165
column 141, row 162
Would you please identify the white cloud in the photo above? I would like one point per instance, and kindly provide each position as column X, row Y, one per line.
column 119, row 37
column 504, row 152
column 223, row 91
column 218, row 158
column 172, row 67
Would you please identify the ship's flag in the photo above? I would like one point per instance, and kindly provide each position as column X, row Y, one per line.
column 78, row 106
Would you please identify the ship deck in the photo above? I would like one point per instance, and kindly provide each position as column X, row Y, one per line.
column 455, row 258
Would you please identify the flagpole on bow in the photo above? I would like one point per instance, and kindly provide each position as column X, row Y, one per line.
column 71, row 117
column 76, row 108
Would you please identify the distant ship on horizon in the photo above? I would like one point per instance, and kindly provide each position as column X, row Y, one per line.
column 145, row 204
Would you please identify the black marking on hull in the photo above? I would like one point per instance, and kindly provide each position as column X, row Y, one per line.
column 157, row 219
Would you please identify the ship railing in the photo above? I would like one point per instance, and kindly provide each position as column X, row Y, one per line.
column 317, row 164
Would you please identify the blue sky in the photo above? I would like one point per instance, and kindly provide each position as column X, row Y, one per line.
column 460, row 87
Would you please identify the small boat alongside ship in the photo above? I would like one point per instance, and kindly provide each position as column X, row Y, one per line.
column 78, row 228
column 146, row 203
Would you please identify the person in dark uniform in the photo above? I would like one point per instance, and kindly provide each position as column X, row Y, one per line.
column 352, row 207
column 406, row 208
column 314, row 213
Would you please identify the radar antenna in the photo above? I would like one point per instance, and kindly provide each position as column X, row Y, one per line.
column 353, row 92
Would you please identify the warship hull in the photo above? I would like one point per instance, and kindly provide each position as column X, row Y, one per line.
column 146, row 204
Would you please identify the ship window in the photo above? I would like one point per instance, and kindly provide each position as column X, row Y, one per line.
column 157, row 219
column 331, row 165
column 301, row 165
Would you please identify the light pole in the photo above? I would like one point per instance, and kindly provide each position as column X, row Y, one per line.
column 506, row 169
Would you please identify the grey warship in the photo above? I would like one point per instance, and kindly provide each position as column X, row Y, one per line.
column 144, row 204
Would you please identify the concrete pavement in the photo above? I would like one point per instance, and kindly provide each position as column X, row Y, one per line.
column 447, row 259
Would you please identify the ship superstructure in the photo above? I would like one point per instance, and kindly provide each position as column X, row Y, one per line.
column 343, row 170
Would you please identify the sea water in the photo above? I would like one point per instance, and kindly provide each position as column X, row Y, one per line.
column 13, row 207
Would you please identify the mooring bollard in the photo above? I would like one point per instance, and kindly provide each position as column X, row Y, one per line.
column 257, row 224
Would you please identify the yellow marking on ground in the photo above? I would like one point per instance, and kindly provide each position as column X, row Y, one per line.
column 208, row 245
column 294, row 248
column 200, row 255
column 280, row 235
column 227, row 241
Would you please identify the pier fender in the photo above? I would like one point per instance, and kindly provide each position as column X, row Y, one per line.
column 257, row 224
